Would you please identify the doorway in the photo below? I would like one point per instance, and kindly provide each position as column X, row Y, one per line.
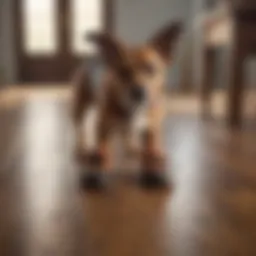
column 50, row 36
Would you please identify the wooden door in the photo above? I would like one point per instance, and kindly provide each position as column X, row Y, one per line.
column 49, row 36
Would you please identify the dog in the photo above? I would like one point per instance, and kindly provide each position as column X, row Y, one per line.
column 134, row 78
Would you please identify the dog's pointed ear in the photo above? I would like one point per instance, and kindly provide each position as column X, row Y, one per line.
column 165, row 40
column 110, row 48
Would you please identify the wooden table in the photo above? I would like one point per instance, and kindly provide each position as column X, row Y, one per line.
column 234, row 27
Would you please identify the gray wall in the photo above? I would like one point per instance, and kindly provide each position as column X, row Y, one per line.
column 136, row 20
column 7, row 52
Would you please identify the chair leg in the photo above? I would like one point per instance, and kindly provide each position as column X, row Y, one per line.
column 207, row 80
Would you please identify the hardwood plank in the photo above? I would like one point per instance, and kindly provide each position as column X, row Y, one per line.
column 210, row 209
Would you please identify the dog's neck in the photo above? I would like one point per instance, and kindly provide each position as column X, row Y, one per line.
column 119, row 111
column 111, row 101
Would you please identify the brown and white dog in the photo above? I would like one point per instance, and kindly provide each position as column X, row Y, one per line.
column 134, row 77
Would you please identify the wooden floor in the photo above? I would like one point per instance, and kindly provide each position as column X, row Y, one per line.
column 210, row 209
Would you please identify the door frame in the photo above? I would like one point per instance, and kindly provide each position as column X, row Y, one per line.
column 58, row 68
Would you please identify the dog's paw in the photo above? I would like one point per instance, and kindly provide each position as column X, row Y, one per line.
column 153, row 169
column 153, row 180
column 93, row 181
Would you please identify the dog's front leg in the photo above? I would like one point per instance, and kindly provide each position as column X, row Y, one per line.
column 152, row 158
column 99, row 159
column 152, row 151
column 79, row 110
column 130, row 140
column 152, row 142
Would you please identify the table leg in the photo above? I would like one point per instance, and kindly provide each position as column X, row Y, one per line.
column 236, row 79
column 207, row 80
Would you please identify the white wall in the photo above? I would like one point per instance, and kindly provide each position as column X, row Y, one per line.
column 7, row 52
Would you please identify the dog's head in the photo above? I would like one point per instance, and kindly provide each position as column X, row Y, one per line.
column 139, row 71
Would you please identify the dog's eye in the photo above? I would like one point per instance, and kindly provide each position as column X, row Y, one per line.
column 148, row 68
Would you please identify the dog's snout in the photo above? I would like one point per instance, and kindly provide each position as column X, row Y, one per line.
column 137, row 93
